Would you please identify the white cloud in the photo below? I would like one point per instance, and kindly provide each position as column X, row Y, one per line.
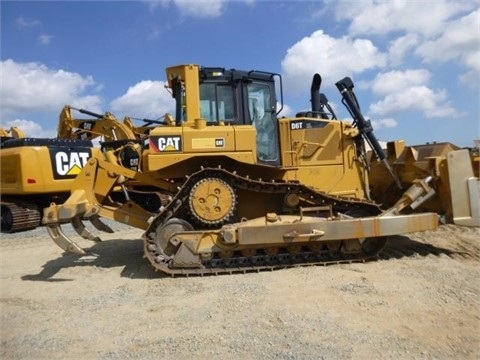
column 45, row 39
column 193, row 8
column 287, row 111
column 26, row 23
column 441, row 31
column 200, row 8
column 416, row 98
column 332, row 58
column 459, row 40
column 146, row 99
column 382, row 17
column 395, row 81
column 400, row 46
column 384, row 123
column 35, row 87
column 31, row 128
column 408, row 91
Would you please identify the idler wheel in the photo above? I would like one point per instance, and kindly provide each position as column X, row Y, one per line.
column 166, row 231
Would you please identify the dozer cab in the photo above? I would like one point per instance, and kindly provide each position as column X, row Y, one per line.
column 235, row 188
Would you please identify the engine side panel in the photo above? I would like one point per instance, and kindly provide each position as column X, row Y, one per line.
column 34, row 167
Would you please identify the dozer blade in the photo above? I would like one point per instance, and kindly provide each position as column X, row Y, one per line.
column 63, row 241
column 99, row 225
column 82, row 230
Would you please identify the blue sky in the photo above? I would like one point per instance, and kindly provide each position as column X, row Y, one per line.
column 415, row 64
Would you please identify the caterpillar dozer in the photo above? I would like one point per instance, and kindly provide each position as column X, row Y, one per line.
column 238, row 188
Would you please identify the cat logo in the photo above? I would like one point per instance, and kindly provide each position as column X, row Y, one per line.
column 166, row 143
column 68, row 163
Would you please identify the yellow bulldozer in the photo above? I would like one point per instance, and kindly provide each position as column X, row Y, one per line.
column 227, row 186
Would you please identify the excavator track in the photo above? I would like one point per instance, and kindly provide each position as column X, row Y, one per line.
column 256, row 259
column 20, row 216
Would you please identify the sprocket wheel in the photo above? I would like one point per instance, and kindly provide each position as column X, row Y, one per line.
column 212, row 201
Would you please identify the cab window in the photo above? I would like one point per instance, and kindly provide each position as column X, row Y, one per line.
column 217, row 102
column 263, row 117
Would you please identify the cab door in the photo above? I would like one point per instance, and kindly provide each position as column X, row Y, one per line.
column 262, row 115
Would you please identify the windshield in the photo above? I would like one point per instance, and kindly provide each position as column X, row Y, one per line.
column 216, row 102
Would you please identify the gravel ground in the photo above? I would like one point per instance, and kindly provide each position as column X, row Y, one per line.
column 419, row 300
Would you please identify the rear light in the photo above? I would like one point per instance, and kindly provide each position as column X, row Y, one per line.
column 31, row 181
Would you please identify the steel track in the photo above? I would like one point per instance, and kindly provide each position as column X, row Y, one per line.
column 19, row 216
column 238, row 264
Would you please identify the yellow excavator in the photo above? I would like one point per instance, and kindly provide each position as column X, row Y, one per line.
column 228, row 186
column 37, row 171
